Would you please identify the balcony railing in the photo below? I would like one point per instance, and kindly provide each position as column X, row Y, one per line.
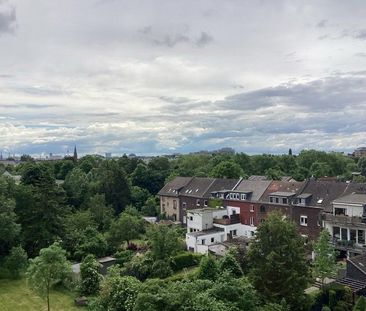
column 345, row 220
column 234, row 219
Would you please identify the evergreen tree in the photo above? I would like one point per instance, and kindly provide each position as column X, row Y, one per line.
column 208, row 269
column 229, row 264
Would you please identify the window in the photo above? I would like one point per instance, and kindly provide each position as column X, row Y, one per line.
column 262, row 209
column 190, row 230
column 243, row 196
column 184, row 205
column 203, row 241
column 198, row 202
column 212, row 240
column 277, row 200
column 252, row 233
column 284, row 200
column 233, row 232
column 190, row 217
column 271, row 199
column 336, row 232
column 340, row 211
column 175, row 204
column 205, row 202
column 252, row 208
column 361, row 236
column 304, row 220
column 344, row 234
column 251, row 221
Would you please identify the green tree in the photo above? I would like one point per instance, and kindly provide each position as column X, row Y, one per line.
column 139, row 196
column 362, row 165
column 325, row 256
column 278, row 267
column 320, row 169
column 273, row 174
column 229, row 264
column 91, row 242
column 90, row 277
column 164, row 241
column 101, row 213
column 16, row 261
column 208, row 269
column 76, row 186
column 360, row 304
column 47, row 270
column 227, row 169
column 150, row 207
column 124, row 229
column 9, row 228
column 112, row 182
column 118, row 293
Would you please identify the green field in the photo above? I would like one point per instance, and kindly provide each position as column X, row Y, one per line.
column 16, row 296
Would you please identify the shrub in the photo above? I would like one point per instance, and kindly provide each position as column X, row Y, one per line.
column 140, row 267
column 185, row 260
column 161, row 269
column 90, row 277
column 16, row 262
column 208, row 269
column 123, row 257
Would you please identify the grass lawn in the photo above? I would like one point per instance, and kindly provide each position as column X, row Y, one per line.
column 16, row 296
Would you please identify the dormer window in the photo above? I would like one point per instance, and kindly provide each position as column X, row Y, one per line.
column 284, row 200
column 243, row 196
column 271, row 199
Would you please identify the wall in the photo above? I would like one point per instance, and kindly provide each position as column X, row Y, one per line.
column 195, row 242
column 167, row 207
column 313, row 228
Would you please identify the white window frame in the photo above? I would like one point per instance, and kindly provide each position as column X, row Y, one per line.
column 304, row 220
column 252, row 208
column 251, row 221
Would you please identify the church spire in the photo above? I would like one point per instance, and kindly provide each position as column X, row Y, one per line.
column 75, row 157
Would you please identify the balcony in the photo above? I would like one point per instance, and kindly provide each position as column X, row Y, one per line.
column 347, row 245
column 233, row 219
column 345, row 220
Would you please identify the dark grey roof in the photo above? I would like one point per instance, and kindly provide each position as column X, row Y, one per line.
column 354, row 285
column 220, row 184
column 173, row 187
column 282, row 188
column 261, row 177
column 324, row 192
column 304, row 195
column 197, row 187
column 356, row 198
column 359, row 261
column 256, row 187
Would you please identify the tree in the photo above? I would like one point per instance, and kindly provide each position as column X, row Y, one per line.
column 112, row 182
column 164, row 241
column 324, row 262
column 9, row 228
column 139, row 196
column 278, row 267
column 40, row 206
column 101, row 213
column 76, row 186
column 273, row 174
column 208, row 269
column 150, row 207
column 125, row 228
column 26, row 158
column 16, row 261
column 227, row 169
column 119, row 293
column 362, row 165
column 91, row 242
column 290, row 152
column 229, row 264
column 320, row 169
column 360, row 304
column 90, row 277
column 47, row 270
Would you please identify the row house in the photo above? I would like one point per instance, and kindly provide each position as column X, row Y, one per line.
column 194, row 192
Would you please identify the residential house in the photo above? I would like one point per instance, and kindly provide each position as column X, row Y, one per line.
column 169, row 197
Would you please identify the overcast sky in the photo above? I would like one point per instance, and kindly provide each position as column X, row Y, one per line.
column 153, row 77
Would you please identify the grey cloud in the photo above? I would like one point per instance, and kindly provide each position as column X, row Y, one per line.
column 204, row 39
column 172, row 39
column 40, row 91
column 7, row 20
column 175, row 100
column 321, row 24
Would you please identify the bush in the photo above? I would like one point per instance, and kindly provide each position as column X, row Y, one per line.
column 90, row 277
column 140, row 267
column 123, row 257
column 208, row 269
column 16, row 262
column 185, row 260
column 161, row 269
column 335, row 296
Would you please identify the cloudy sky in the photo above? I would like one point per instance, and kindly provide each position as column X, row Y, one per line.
column 153, row 77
